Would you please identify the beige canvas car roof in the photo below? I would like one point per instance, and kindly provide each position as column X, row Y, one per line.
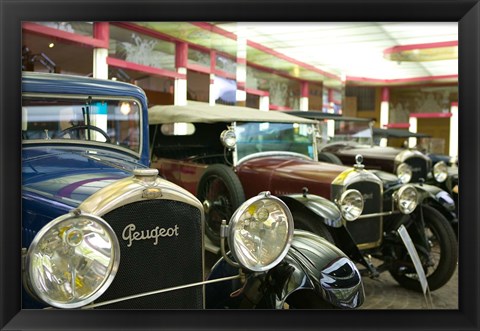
column 201, row 112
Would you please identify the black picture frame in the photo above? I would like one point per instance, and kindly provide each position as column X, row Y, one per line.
column 13, row 12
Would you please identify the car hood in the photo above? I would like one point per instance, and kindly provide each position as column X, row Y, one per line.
column 70, row 175
column 367, row 151
column 294, row 169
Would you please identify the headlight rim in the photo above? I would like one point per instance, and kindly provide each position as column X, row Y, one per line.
column 106, row 281
column 240, row 211
column 224, row 136
column 404, row 164
column 445, row 172
column 400, row 191
column 343, row 197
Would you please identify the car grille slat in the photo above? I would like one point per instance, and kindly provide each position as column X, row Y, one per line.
column 367, row 231
column 173, row 261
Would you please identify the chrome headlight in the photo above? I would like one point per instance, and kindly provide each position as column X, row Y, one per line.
column 404, row 172
column 440, row 171
column 228, row 138
column 351, row 204
column 407, row 199
column 260, row 232
column 72, row 260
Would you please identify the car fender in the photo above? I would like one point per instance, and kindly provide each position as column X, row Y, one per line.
column 312, row 265
column 326, row 209
column 437, row 198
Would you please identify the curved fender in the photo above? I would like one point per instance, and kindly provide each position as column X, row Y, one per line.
column 316, row 264
column 311, row 264
column 324, row 208
column 442, row 199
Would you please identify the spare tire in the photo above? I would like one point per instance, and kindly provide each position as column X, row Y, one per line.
column 221, row 193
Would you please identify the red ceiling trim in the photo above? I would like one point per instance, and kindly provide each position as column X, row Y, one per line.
column 146, row 31
column 224, row 74
column 431, row 115
column 142, row 68
column 63, row 35
column 291, row 60
column 198, row 68
column 399, row 80
column 401, row 48
column 215, row 29
column 281, row 108
column 257, row 92
column 220, row 31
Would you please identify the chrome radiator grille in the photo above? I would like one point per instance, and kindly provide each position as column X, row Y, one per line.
column 367, row 232
column 148, row 266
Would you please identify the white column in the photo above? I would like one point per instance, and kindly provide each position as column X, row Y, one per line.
column 384, row 108
column 264, row 102
column 180, row 92
column 453, row 148
column 412, row 142
column 304, row 103
column 241, row 73
column 211, row 91
column 98, row 113
column 100, row 66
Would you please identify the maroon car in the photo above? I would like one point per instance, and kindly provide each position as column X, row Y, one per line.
column 341, row 138
column 226, row 154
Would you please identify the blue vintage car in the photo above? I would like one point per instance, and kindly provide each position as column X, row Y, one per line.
column 102, row 230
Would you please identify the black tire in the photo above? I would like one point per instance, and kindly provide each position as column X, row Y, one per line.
column 329, row 158
column 305, row 221
column 443, row 251
column 221, row 193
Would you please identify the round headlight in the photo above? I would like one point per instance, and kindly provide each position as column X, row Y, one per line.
column 407, row 199
column 440, row 171
column 260, row 232
column 351, row 204
column 228, row 138
column 404, row 172
column 72, row 260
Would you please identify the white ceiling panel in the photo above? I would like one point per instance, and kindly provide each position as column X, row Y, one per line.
column 354, row 49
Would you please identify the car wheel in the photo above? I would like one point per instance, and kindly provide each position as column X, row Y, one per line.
column 329, row 158
column 305, row 221
column 221, row 193
column 439, row 262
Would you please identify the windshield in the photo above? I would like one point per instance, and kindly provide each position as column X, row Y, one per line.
column 114, row 121
column 344, row 130
column 257, row 137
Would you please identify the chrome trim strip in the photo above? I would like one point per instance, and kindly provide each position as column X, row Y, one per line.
column 408, row 153
column 386, row 213
column 206, row 282
column 131, row 189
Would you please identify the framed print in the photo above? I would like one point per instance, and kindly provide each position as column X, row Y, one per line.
column 135, row 40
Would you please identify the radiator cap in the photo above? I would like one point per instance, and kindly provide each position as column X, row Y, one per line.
column 146, row 174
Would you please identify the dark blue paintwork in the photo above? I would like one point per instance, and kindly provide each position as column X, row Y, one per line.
column 57, row 177
column 35, row 82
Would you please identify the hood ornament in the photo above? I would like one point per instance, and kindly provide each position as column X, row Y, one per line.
column 358, row 162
